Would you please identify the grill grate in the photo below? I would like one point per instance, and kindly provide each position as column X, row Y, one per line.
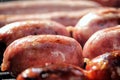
column 6, row 76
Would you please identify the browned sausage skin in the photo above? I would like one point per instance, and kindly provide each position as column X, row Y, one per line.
column 94, row 21
column 104, row 67
column 53, row 72
column 102, row 41
column 64, row 12
column 110, row 3
column 41, row 50
column 43, row 6
column 63, row 17
column 15, row 30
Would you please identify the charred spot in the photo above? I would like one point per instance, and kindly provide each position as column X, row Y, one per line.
column 102, row 23
column 30, row 78
column 114, row 59
column 118, row 20
column 117, row 4
column 57, row 40
column 34, row 33
column 84, row 65
column 56, row 33
column 36, row 29
column 115, row 62
column 44, row 74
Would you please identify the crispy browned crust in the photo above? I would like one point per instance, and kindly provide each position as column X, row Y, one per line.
column 41, row 50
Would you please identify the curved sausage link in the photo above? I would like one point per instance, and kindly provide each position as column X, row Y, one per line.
column 41, row 50
column 104, row 67
column 30, row 7
column 94, row 21
column 102, row 41
column 16, row 30
column 53, row 72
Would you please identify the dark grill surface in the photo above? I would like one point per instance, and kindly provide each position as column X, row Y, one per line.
column 6, row 76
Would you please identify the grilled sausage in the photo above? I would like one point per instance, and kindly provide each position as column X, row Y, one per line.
column 16, row 30
column 63, row 17
column 104, row 67
column 53, row 72
column 102, row 41
column 41, row 50
column 94, row 21
column 110, row 3
column 13, row 31
column 33, row 7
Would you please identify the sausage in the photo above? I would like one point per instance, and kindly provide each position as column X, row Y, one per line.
column 94, row 21
column 41, row 50
column 105, row 40
column 15, row 30
column 63, row 17
column 53, row 72
column 110, row 3
column 104, row 67
column 33, row 7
